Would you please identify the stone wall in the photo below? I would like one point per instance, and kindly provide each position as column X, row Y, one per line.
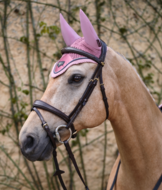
column 132, row 28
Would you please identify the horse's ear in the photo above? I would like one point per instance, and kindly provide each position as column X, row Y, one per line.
column 88, row 31
column 68, row 33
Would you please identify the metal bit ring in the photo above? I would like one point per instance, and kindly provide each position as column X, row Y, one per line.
column 58, row 135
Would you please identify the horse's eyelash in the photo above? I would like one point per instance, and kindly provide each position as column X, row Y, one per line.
column 70, row 80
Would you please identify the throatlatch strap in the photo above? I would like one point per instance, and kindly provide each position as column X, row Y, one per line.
column 158, row 183
column 115, row 178
column 116, row 175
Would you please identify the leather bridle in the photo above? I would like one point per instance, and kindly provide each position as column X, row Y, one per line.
column 38, row 104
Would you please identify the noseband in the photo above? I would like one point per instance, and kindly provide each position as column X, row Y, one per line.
column 97, row 76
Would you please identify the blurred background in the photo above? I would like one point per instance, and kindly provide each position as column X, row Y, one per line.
column 30, row 44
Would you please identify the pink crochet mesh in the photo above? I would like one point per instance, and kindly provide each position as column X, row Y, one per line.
column 70, row 59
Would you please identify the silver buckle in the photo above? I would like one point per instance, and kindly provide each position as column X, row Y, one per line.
column 58, row 135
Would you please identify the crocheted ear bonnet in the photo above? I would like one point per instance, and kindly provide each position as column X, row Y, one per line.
column 89, row 43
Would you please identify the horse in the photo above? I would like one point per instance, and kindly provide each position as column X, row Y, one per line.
column 134, row 116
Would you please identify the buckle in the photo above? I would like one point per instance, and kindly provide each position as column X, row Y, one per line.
column 45, row 124
column 58, row 135
column 94, row 80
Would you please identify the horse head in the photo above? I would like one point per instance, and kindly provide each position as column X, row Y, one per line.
column 77, row 104
column 68, row 80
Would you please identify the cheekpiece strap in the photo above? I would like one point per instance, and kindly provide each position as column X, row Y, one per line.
column 97, row 74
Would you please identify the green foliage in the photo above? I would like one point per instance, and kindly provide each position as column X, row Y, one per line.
column 25, row 92
column 123, row 30
column 148, row 79
column 83, row 133
column 20, row 115
column 6, row 129
column 57, row 55
column 8, row 2
column 74, row 11
column 52, row 31
column 74, row 143
column 14, row 100
column 24, row 40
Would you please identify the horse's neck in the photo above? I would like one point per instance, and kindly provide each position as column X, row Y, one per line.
column 136, row 121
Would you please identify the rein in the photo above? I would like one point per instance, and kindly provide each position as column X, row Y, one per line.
column 38, row 104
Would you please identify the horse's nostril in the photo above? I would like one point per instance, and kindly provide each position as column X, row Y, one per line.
column 29, row 142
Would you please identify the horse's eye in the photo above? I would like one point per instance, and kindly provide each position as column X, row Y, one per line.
column 76, row 78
